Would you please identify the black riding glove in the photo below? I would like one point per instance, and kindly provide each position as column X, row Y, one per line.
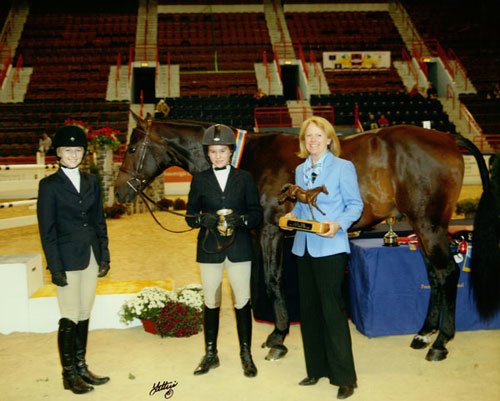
column 59, row 279
column 208, row 220
column 234, row 220
column 103, row 269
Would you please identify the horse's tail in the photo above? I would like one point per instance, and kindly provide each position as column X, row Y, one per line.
column 485, row 257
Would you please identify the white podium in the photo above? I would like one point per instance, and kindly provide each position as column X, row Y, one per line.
column 20, row 277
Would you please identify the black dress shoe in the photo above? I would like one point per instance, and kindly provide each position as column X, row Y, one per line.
column 308, row 381
column 345, row 391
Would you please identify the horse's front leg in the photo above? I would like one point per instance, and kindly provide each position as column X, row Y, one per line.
column 317, row 207
column 272, row 250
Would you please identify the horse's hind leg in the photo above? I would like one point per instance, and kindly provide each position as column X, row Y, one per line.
column 431, row 322
column 438, row 350
column 443, row 278
column 272, row 248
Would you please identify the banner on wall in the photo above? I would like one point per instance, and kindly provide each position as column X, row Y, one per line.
column 356, row 60
column 176, row 174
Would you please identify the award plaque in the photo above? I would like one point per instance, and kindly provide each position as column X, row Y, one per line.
column 303, row 225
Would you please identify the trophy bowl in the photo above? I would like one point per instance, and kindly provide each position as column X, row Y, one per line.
column 222, row 226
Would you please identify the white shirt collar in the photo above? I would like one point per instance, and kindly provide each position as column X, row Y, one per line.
column 74, row 176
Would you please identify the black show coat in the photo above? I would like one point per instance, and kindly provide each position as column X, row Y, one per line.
column 70, row 222
column 242, row 196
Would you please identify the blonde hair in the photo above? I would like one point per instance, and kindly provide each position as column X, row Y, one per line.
column 326, row 127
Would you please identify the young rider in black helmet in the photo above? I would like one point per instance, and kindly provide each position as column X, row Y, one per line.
column 75, row 243
column 224, row 202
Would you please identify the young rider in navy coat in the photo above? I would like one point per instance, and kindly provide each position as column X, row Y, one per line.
column 75, row 243
column 223, row 187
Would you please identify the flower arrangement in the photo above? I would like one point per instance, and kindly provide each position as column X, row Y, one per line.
column 174, row 313
column 115, row 211
column 99, row 138
column 145, row 305
column 79, row 123
column 103, row 137
column 177, row 319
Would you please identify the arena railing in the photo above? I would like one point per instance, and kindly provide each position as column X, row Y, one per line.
column 268, row 72
column 487, row 143
column 471, row 121
column 5, row 66
column 265, row 117
column 405, row 56
column 458, row 65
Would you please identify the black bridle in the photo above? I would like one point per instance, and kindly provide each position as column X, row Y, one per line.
column 139, row 181
column 137, row 177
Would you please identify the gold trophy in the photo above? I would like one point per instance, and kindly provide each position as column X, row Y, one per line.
column 391, row 238
column 222, row 226
column 294, row 192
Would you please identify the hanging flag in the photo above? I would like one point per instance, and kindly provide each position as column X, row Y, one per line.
column 241, row 136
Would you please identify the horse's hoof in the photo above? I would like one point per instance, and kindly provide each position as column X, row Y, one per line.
column 420, row 342
column 276, row 352
column 435, row 354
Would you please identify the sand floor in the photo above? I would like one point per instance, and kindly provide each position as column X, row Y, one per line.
column 387, row 368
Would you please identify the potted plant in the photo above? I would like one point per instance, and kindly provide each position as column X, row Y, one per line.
column 167, row 313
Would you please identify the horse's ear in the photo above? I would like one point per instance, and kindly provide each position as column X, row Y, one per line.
column 138, row 120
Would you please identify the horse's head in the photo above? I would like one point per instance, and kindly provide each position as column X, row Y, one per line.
column 143, row 161
column 153, row 147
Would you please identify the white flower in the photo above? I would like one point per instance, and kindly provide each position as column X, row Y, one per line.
column 150, row 300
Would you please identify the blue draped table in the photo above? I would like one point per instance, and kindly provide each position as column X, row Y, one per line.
column 389, row 291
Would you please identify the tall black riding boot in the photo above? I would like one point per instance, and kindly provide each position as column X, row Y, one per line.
column 244, row 326
column 66, row 342
column 82, row 331
column 211, row 330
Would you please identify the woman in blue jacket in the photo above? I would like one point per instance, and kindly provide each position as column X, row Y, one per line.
column 322, row 258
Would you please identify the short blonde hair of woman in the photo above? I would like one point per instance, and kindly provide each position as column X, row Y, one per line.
column 326, row 127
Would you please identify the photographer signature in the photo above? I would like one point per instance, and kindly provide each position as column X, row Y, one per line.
column 166, row 386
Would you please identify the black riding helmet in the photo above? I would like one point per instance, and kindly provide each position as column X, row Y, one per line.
column 70, row 136
column 218, row 134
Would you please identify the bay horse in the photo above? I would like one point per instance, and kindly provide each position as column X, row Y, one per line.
column 309, row 196
column 402, row 170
